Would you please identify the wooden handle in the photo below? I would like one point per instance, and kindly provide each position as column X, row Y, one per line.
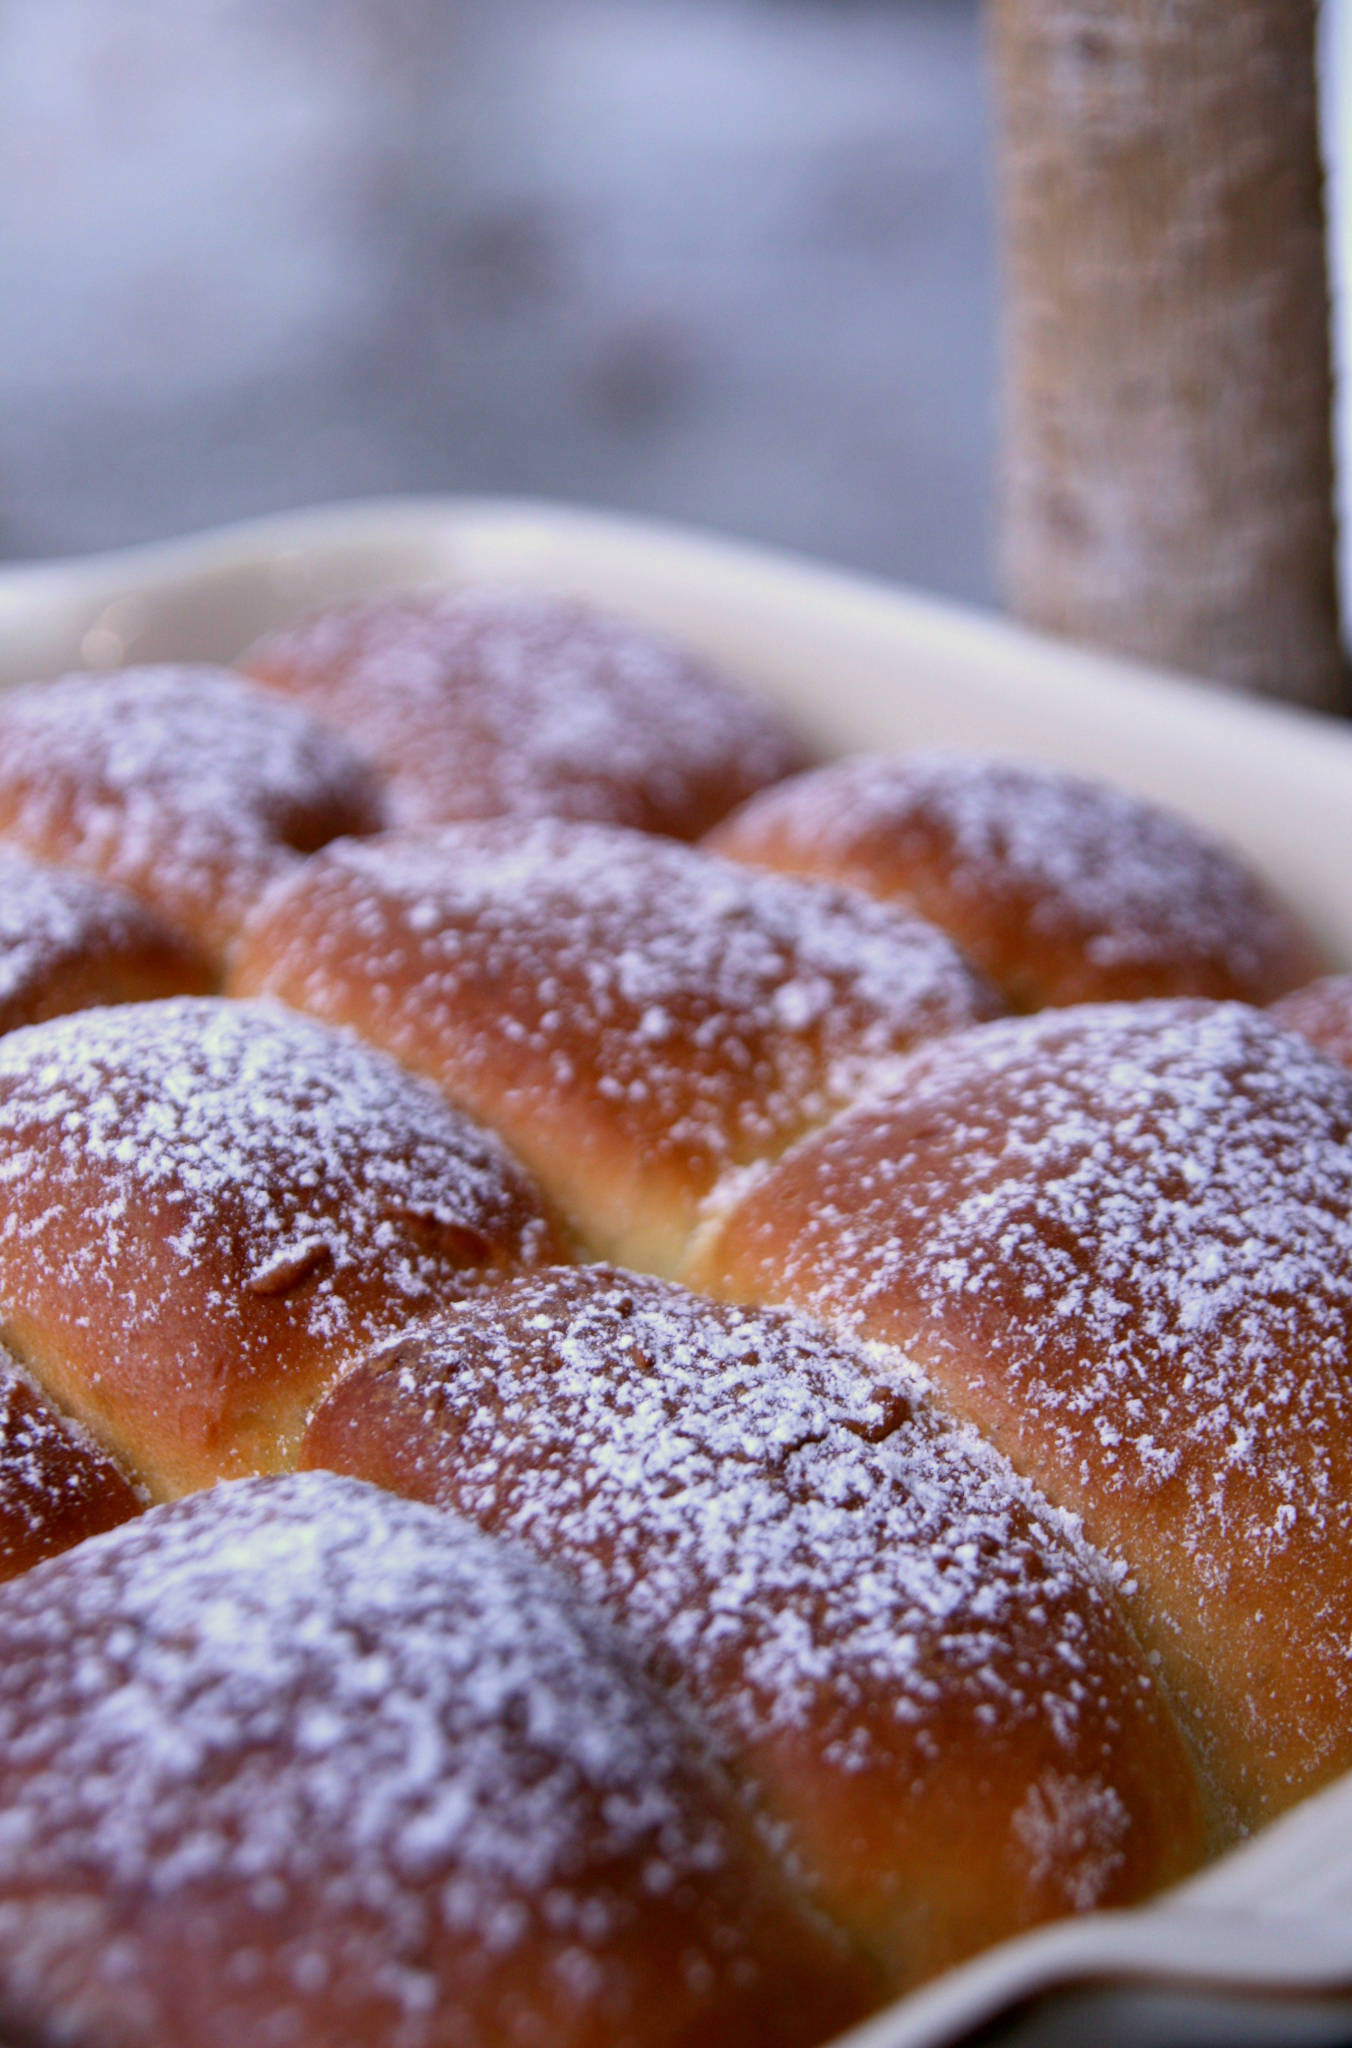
column 1168, row 484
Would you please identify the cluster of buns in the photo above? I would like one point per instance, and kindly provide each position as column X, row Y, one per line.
column 648, row 1391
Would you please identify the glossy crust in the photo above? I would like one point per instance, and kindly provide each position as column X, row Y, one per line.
column 189, row 786
column 57, row 1485
column 296, row 1763
column 1322, row 1012
column 498, row 702
column 69, row 941
column 896, row 1643
column 209, row 1205
column 637, row 1019
column 1063, row 890
column 1120, row 1241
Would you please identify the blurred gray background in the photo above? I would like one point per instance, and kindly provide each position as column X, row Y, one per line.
column 725, row 261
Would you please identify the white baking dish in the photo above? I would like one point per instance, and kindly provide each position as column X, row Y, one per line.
column 862, row 665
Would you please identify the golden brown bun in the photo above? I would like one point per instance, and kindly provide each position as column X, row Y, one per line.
column 1120, row 1241
column 1322, row 1012
column 493, row 702
column 57, row 1485
column 896, row 1643
column 68, row 941
column 189, row 786
column 636, row 1018
column 1063, row 890
column 209, row 1205
column 295, row 1762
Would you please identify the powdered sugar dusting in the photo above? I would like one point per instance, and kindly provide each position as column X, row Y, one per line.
column 189, row 785
column 499, row 701
column 1121, row 1240
column 363, row 1732
column 56, row 1484
column 702, row 1011
column 53, row 921
column 1072, row 1832
column 47, row 915
column 783, row 1522
column 1140, row 896
column 234, row 1141
column 1165, row 1187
